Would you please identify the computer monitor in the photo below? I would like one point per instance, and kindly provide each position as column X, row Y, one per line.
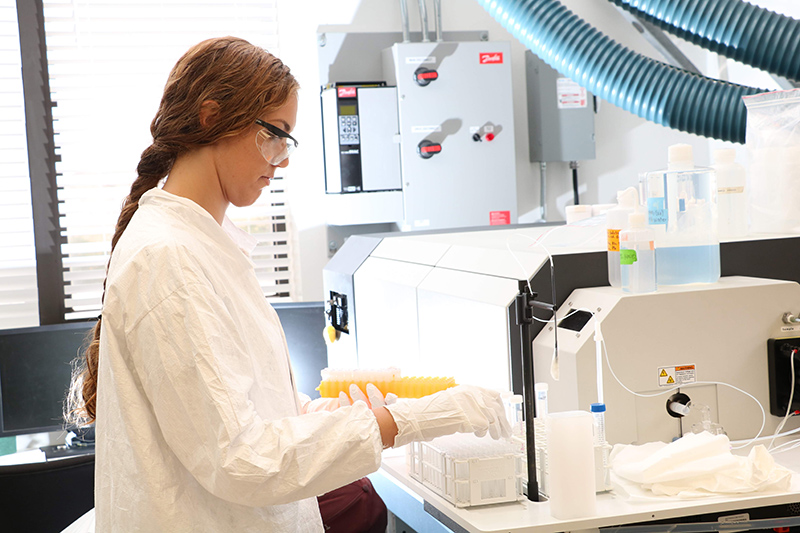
column 35, row 375
column 303, row 323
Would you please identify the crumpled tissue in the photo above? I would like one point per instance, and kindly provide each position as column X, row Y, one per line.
column 695, row 466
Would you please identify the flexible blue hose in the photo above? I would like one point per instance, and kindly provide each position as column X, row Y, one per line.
column 652, row 90
column 733, row 28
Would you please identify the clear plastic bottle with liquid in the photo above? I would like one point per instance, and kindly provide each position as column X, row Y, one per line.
column 682, row 210
column 616, row 221
column 637, row 255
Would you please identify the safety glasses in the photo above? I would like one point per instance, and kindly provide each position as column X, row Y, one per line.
column 275, row 144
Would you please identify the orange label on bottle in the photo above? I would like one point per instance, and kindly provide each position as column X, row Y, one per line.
column 613, row 240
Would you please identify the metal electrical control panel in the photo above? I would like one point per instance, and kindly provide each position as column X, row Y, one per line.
column 362, row 154
column 428, row 142
column 457, row 132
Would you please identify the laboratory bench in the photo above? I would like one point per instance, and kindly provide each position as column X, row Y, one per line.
column 425, row 511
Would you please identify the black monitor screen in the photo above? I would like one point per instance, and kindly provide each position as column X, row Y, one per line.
column 35, row 375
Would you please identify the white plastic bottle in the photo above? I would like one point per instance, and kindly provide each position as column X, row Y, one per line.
column 637, row 255
column 731, row 199
column 616, row 221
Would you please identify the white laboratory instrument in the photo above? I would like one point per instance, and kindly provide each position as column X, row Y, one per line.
column 443, row 304
column 695, row 337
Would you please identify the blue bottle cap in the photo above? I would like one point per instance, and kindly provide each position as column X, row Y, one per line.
column 598, row 407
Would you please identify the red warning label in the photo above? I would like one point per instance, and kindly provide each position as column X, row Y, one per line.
column 499, row 218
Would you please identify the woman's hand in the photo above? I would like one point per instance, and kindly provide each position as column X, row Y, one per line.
column 373, row 398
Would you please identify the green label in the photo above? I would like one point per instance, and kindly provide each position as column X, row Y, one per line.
column 627, row 257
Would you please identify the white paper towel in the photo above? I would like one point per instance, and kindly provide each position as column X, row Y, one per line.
column 570, row 456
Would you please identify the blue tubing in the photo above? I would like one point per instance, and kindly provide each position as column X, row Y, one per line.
column 650, row 89
column 733, row 28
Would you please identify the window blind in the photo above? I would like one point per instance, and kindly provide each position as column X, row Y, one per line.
column 18, row 291
column 108, row 61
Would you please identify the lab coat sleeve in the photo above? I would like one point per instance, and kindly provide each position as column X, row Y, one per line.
column 191, row 361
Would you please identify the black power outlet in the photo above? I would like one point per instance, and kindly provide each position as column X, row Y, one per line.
column 779, row 354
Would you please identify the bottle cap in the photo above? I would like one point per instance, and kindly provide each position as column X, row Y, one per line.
column 681, row 157
column 598, row 408
column 578, row 212
column 726, row 155
column 515, row 399
column 541, row 386
column 637, row 219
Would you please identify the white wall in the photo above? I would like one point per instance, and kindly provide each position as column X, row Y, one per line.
column 625, row 143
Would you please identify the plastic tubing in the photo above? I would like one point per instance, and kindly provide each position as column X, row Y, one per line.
column 643, row 86
column 733, row 28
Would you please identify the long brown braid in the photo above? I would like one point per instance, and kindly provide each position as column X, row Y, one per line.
column 245, row 81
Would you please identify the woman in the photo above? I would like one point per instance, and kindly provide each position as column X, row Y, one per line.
column 188, row 377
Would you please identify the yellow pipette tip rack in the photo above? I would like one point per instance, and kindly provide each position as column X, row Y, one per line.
column 388, row 381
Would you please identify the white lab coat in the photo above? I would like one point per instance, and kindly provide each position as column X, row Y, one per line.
column 197, row 426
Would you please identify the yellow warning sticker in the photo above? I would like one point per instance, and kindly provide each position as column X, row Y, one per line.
column 613, row 240
column 669, row 376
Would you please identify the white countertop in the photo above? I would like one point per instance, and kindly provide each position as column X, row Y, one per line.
column 612, row 509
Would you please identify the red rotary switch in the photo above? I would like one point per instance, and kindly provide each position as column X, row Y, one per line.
column 423, row 76
column 427, row 149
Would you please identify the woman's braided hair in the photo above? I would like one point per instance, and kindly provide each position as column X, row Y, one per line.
column 245, row 81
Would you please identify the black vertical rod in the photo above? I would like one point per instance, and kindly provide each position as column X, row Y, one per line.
column 576, row 197
column 524, row 319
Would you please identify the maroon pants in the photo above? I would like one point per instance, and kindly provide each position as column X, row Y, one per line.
column 354, row 508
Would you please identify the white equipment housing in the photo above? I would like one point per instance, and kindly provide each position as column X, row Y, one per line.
column 443, row 304
column 715, row 332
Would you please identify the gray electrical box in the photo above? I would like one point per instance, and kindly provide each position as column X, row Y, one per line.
column 560, row 115
column 456, row 124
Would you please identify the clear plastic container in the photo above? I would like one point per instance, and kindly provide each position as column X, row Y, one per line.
column 637, row 256
column 731, row 194
column 601, row 448
column 617, row 221
column 467, row 470
column 682, row 210
column 514, row 410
